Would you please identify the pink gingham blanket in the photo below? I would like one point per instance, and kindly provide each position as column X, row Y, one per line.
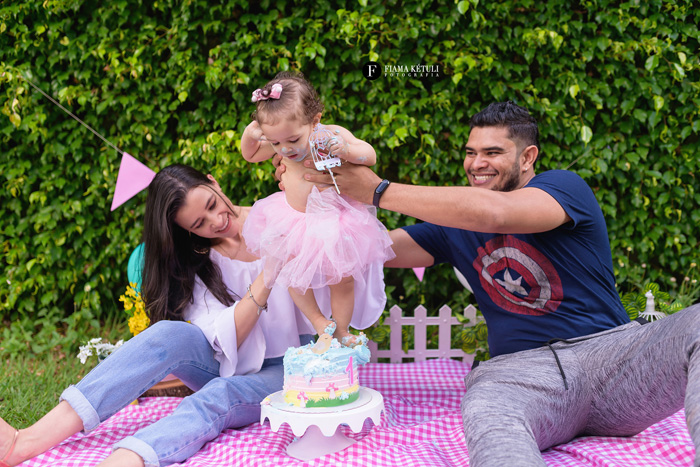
column 421, row 426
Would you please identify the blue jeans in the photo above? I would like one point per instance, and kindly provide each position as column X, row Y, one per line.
column 181, row 349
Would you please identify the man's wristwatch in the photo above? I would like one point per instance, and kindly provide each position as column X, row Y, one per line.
column 379, row 191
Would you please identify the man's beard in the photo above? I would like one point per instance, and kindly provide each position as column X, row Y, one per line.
column 511, row 179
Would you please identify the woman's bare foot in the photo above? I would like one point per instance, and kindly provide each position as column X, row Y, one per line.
column 8, row 441
column 122, row 458
column 58, row 424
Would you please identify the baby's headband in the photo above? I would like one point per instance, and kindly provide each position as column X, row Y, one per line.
column 274, row 93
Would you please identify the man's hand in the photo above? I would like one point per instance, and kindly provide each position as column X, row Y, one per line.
column 356, row 181
column 279, row 170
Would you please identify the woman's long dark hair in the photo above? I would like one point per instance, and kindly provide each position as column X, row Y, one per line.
column 172, row 255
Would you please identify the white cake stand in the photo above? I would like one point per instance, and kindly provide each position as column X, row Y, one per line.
column 318, row 428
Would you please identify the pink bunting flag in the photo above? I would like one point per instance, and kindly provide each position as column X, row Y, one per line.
column 132, row 178
column 419, row 273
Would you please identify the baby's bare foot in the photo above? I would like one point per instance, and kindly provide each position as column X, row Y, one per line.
column 348, row 339
column 324, row 326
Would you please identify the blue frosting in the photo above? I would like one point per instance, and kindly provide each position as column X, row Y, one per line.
column 301, row 360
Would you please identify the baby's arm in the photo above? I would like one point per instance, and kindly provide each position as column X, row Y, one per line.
column 253, row 144
column 350, row 148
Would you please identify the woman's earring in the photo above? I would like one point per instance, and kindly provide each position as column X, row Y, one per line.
column 202, row 251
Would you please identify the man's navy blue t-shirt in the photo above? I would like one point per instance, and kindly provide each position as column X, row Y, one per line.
column 535, row 287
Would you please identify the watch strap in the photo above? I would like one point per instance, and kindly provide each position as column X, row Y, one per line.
column 379, row 191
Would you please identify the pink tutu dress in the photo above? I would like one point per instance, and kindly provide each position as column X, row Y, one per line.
column 336, row 237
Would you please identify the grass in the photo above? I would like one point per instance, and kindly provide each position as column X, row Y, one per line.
column 31, row 384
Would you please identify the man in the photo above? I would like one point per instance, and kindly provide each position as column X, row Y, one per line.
column 534, row 247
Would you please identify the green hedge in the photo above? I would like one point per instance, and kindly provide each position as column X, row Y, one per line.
column 615, row 86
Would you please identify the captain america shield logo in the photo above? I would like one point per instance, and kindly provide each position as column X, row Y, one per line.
column 517, row 277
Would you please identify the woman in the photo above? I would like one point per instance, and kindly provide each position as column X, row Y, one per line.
column 197, row 270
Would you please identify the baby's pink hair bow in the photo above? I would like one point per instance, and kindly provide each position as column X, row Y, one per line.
column 275, row 93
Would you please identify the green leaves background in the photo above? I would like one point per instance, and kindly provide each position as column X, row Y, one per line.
column 615, row 86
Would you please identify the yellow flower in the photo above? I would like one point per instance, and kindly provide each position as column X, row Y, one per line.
column 135, row 308
column 138, row 322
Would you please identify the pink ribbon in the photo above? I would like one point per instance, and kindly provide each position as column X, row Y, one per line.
column 275, row 93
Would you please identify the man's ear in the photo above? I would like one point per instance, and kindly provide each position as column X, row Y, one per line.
column 528, row 158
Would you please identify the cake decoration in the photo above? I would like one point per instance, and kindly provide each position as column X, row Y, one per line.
column 323, row 374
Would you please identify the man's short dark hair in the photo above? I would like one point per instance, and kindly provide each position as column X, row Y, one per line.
column 522, row 126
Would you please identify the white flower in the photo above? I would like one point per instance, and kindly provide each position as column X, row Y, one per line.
column 98, row 348
column 84, row 353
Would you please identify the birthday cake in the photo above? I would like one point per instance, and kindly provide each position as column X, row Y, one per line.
column 323, row 374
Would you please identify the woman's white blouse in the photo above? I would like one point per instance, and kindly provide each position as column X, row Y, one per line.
column 277, row 329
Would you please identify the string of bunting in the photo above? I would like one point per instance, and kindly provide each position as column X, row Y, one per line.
column 133, row 176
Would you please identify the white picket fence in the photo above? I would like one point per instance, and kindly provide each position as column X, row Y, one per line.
column 420, row 321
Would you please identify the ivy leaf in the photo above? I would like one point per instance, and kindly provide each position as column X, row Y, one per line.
column 679, row 69
column 586, row 134
column 462, row 7
column 651, row 62
column 573, row 90
column 658, row 103
column 15, row 119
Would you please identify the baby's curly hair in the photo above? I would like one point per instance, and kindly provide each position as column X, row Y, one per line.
column 298, row 100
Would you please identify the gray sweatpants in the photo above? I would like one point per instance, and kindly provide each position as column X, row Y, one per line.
column 620, row 382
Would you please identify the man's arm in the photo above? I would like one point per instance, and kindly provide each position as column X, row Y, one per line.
column 526, row 210
column 408, row 253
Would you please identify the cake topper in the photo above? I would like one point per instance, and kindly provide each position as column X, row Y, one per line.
column 323, row 344
column 320, row 141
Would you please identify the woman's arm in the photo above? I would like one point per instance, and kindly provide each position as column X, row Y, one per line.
column 252, row 146
column 249, row 308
